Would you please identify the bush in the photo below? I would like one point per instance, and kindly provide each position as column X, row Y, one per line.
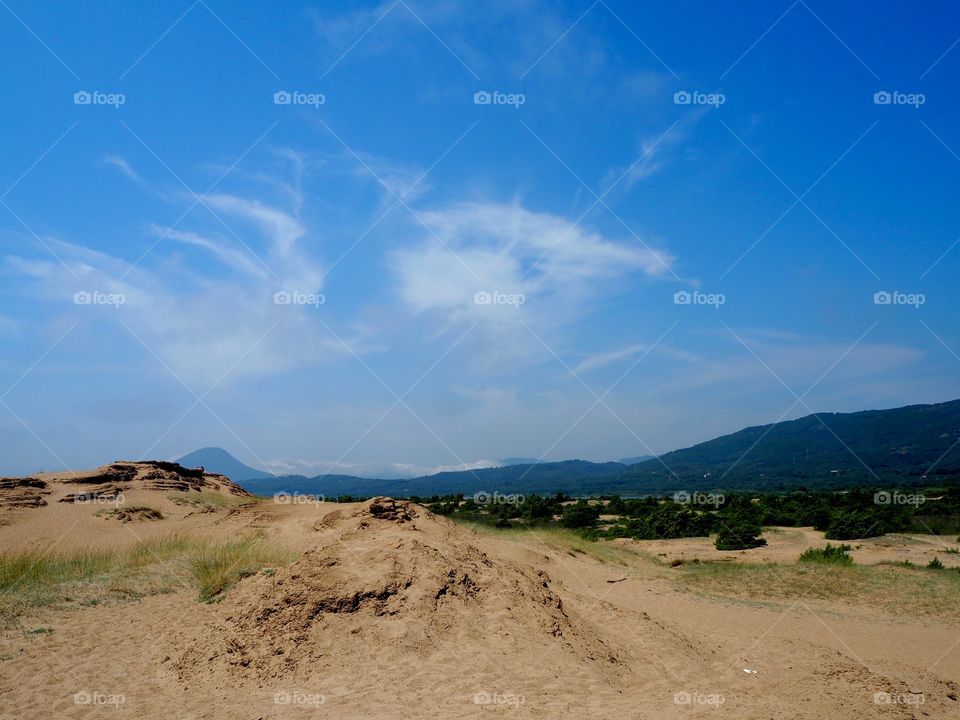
column 580, row 515
column 855, row 524
column 741, row 535
column 935, row 564
column 831, row 554
column 664, row 520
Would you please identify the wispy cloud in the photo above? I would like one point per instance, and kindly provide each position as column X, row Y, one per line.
column 198, row 320
column 656, row 151
column 489, row 247
column 124, row 167
column 384, row 470
column 606, row 358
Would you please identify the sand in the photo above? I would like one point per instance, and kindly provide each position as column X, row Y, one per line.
column 390, row 611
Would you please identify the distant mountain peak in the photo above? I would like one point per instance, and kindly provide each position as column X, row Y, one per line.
column 217, row 460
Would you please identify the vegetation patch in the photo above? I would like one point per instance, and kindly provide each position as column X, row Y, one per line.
column 831, row 555
column 900, row 590
column 132, row 513
column 34, row 580
column 215, row 567
column 204, row 501
column 566, row 541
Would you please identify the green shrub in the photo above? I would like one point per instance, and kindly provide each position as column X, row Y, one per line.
column 935, row 564
column 740, row 535
column 580, row 515
column 855, row 524
column 831, row 554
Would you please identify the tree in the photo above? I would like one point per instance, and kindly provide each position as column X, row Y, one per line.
column 739, row 534
column 580, row 515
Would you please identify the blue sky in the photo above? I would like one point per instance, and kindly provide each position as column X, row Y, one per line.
column 658, row 271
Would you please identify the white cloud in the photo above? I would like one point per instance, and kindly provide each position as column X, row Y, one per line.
column 653, row 156
column 240, row 260
column 202, row 323
column 8, row 326
column 475, row 247
column 606, row 358
column 380, row 470
column 398, row 180
column 124, row 167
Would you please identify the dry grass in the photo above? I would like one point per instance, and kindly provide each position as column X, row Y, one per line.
column 895, row 589
column 206, row 501
column 216, row 566
column 568, row 541
column 34, row 580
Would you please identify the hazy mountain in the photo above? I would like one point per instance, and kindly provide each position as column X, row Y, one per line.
column 822, row 450
column 218, row 460
column 565, row 476
column 870, row 447
column 635, row 460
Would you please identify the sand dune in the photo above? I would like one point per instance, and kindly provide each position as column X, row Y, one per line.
column 387, row 610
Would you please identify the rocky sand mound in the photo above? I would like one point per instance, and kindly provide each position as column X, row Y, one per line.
column 108, row 482
column 50, row 507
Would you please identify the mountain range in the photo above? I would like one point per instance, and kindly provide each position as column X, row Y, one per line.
column 875, row 447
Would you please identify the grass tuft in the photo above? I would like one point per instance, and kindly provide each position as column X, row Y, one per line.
column 214, row 568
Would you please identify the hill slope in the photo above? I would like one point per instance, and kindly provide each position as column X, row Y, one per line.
column 870, row 447
column 823, row 450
